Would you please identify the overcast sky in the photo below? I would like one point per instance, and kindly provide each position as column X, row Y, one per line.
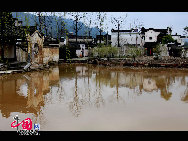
column 176, row 20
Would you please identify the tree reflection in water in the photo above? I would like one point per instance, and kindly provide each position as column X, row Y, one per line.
column 75, row 105
column 92, row 86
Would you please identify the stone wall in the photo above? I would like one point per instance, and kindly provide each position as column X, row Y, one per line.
column 35, row 46
column 39, row 53
column 50, row 54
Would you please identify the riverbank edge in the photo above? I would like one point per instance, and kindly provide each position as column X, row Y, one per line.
column 40, row 68
column 111, row 63
column 124, row 62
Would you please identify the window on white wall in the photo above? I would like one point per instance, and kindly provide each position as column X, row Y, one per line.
column 150, row 38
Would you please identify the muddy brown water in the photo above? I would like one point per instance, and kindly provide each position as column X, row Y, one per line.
column 89, row 97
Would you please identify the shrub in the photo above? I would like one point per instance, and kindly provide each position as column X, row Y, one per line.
column 105, row 51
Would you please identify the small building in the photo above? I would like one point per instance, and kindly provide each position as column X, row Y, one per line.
column 176, row 48
column 103, row 39
column 178, row 39
column 76, row 48
column 152, row 37
column 13, row 45
column 87, row 40
column 82, row 52
column 8, row 34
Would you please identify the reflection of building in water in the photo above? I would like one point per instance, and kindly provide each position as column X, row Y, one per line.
column 149, row 84
column 81, row 70
column 163, row 82
column 81, row 86
column 147, row 80
column 69, row 71
column 24, row 92
column 132, row 80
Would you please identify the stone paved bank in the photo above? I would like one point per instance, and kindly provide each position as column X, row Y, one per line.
column 149, row 61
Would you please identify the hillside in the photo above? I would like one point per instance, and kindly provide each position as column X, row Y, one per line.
column 54, row 24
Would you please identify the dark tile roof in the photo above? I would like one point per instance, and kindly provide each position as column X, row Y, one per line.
column 183, row 37
column 156, row 30
column 79, row 37
column 132, row 30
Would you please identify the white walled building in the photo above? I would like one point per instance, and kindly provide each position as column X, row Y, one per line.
column 153, row 35
column 178, row 38
column 82, row 52
column 126, row 37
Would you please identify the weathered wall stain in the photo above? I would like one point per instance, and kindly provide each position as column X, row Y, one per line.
column 50, row 54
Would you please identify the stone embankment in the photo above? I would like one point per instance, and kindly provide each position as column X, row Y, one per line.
column 172, row 62
column 18, row 67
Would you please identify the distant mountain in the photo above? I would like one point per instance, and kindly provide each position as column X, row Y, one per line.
column 54, row 23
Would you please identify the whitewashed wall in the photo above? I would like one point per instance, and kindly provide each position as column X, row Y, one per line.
column 126, row 38
column 152, row 34
column 179, row 40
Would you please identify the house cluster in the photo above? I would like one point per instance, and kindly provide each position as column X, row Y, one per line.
column 81, row 44
column 146, row 39
column 26, row 44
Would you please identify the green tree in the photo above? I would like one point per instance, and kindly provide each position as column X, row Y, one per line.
column 157, row 49
column 167, row 39
column 8, row 31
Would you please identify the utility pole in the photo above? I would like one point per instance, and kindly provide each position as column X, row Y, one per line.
column 100, row 37
column 76, row 29
column 118, row 34
column 107, row 38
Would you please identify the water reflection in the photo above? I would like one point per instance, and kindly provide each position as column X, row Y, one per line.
column 24, row 93
column 102, row 80
column 81, row 87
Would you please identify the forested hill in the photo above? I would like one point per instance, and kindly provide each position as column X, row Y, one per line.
column 55, row 24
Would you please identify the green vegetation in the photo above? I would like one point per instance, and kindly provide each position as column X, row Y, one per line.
column 67, row 52
column 134, row 51
column 167, row 39
column 104, row 51
column 157, row 49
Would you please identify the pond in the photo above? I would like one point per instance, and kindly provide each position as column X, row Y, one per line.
column 89, row 97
